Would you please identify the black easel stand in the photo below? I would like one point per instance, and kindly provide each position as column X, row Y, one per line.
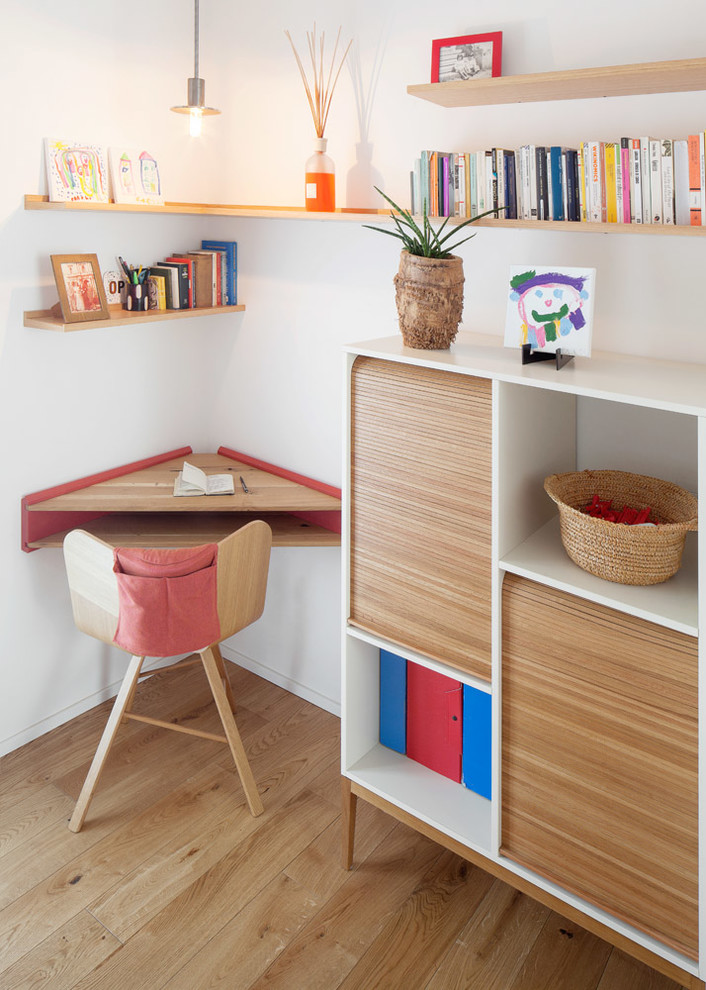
column 529, row 356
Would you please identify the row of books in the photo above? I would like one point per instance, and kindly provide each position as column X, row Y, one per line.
column 195, row 279
column 633, row 180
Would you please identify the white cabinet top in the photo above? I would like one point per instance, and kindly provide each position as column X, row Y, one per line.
column 669, row 385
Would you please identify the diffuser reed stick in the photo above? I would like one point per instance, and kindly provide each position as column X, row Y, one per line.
column 319, row 92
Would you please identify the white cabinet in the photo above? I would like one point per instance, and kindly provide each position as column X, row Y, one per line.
column 609, row 411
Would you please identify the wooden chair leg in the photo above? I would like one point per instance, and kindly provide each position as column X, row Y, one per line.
column 349, row 802
column 224, row 676
column 220, row 696
column 127, row 690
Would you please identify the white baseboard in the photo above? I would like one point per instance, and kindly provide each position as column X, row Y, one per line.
column 288, row 683
column 56, row 719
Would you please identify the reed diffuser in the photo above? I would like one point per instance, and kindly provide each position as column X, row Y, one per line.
column 320, row 173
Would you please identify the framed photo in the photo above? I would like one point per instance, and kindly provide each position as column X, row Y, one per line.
column 475, row 56
column 81, row 293
column 551, row 308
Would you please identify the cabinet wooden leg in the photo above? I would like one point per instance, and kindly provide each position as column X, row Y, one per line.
column 349, row 802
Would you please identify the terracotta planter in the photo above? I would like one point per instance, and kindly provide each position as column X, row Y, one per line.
column 429, row 294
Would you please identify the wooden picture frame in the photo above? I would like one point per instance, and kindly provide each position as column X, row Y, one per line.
column 472, row 56
column 81, row 292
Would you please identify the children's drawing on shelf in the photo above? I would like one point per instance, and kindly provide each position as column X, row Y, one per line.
column 551, row 309
column 76, row 172
column 135, row 177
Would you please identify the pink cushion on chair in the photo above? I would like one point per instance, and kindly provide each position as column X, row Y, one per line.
column 168, row 600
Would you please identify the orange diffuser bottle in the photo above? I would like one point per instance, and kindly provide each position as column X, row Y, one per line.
column 320, row 180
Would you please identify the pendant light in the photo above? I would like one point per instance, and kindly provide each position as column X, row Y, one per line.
column 196, row 88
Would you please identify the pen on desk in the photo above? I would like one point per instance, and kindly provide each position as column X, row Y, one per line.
column 245, row 487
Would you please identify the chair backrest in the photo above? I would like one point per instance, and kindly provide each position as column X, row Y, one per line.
column 242, row 569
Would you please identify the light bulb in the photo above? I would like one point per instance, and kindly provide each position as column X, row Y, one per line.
column 195, row 122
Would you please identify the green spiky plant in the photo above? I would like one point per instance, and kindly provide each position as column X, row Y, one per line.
column 423, row 240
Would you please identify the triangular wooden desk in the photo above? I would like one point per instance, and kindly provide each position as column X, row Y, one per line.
column 134, row 505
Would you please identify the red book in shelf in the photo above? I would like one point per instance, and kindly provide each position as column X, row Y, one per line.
column 434, row 721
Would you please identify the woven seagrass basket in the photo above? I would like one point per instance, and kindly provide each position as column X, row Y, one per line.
column 624, row 554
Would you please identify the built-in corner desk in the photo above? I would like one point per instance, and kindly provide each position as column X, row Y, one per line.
column 134, row 505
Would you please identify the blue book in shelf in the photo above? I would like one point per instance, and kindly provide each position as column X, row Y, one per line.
column 477, row 741
column 556, row 178
column 231, row 252
column 393, row 701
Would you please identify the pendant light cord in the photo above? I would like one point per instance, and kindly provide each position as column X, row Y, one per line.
column 196, row 39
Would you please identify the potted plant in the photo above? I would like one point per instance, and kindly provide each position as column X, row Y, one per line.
column 429, row 283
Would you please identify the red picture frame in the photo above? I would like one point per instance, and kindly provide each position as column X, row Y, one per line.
column 471, row 56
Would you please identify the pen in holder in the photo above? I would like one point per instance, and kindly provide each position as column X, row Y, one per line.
column 135, row 298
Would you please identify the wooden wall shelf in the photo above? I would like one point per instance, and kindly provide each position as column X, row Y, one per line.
column 643, row 78
column 42, row 319
column 133, row 505
column 379, row 216
column 33, row 202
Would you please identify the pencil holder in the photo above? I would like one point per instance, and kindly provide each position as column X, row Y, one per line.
column 135, row 298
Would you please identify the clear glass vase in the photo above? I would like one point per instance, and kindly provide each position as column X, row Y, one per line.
column 320, row 180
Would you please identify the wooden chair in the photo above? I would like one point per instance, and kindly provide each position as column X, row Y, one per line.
column 241, row 580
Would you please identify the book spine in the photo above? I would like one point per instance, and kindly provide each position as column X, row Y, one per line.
column 681, row 183
column 667, row 172
column 482, row 183
column 564, row 187
column 466, row 185
column 611, row 204
column 532, row 180
column 694, row 181
column 473, row 184
column 646, row 181
column 635, row 182
column 556, row 179
column 625, row 176
column 511, row 185
column 583, row 175
column 542, row 187
column 491, row 186
column 656, row 180
column 594, row 182
column 702, row 179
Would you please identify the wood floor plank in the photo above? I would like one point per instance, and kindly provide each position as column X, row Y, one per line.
column 318, row 867
column 22, row 821
column 490, row 950
column 564, row 957
column 32, row 917
column 624, row 973
column 243, row 949
column 66, row 956
column 328, row 948
column 215, row 898
column 428, row 923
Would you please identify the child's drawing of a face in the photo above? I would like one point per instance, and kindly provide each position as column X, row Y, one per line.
column 552, row 306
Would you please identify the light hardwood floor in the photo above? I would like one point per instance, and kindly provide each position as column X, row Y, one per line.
column 172, row 884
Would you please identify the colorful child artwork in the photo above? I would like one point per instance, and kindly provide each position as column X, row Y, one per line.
column 135, row 177
column 76, row 172
column 551, row 309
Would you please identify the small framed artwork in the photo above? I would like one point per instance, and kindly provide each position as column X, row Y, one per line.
column 473, row 56
column 81, row 293
column 551, row 309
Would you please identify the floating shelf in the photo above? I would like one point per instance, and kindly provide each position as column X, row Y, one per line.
column 379, row 216
column 33, row 202
column 42, row 319
column 681, row 76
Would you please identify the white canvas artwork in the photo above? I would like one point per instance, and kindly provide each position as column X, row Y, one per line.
column 551, row 308
column 76, row 172
column 135, row 177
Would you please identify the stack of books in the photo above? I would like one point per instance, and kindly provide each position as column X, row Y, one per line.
column 195, row 279
column 630, row 180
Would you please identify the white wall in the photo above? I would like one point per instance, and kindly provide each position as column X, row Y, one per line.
column 268, row 381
